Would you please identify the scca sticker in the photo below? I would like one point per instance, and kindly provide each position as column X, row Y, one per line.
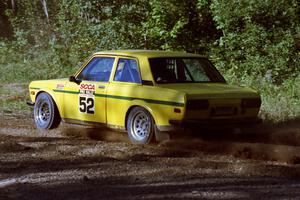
column 86, row 98
column 87, row 87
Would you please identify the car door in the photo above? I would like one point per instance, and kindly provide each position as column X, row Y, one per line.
column 86, row 101
column 125, row 87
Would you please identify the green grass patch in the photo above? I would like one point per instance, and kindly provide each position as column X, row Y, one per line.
column 13, row 98
column 279, row 102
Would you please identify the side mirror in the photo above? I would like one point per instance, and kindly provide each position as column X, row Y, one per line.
column 74, row 80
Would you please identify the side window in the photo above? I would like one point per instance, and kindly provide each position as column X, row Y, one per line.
column 98, row 69
column 196, row 67
column 127, row 71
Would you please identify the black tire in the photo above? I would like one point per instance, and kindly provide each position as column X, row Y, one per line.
column 45, row 112
column 140, row 126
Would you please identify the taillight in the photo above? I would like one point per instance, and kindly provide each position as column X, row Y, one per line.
column 251, row 103
column 197, row 104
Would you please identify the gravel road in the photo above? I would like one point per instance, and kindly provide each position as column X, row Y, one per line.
column 76, row 162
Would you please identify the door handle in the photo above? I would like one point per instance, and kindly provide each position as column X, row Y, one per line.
column 101, row 86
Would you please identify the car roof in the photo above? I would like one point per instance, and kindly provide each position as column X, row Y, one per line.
column 148, row 53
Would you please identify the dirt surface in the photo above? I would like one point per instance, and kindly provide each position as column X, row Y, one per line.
column 76, row 162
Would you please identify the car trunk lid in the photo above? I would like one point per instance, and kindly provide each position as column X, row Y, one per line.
column 215, row 100
column 211, row 90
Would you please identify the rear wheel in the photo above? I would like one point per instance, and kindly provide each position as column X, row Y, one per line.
column 140, row 126
column 46, row 115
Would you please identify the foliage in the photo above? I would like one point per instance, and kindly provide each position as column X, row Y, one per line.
column 259, row 38
column 279, row 103
column 75, row 29
column 13, row 97
column 179, row 25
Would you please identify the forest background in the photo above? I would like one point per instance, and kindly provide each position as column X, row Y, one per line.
column 252, row 42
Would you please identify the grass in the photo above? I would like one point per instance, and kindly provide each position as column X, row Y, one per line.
column 279, row 102
column 13, row 98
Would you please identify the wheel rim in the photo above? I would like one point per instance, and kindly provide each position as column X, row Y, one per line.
column 42, row 113
column 141, row 126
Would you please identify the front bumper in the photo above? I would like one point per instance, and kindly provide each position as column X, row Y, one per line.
column 30, row 103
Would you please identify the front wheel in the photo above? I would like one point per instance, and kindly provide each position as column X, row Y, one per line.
column 140, row 126
column 46, row 115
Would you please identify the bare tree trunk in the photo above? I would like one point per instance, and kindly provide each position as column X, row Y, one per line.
column 13, row 5
column 44, row 4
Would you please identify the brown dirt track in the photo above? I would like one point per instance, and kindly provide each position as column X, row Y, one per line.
column 76, row 162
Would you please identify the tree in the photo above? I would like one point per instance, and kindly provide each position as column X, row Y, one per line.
column 5, row 26
column 179, row 25
column 259, row 37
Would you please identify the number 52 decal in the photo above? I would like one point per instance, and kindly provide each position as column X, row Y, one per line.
column 86, row 105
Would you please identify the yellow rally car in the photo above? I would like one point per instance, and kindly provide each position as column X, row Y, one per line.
column 144, row 92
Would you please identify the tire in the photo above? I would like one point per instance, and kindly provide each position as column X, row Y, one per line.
column 46, row 115
column 140, row 126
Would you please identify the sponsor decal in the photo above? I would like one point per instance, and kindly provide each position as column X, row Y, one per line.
column 86, row 104
column 90, row 87
column 86, row 101
column 60, row 86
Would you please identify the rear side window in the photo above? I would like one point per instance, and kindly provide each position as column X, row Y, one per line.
column 127, row 71
column 98, row 69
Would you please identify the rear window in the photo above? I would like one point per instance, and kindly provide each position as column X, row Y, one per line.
column 184, row 70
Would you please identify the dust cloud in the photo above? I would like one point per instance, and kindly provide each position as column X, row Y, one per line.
column 269, row 142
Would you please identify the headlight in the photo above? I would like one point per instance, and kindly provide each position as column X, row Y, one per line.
column 251, row 103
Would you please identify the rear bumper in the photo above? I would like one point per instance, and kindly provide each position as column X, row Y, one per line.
column 216, row 123
column 176, row 125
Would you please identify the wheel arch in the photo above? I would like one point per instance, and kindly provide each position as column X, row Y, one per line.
column 138, row 105
column 52, row 96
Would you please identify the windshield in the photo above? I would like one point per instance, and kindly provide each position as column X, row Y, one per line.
column 184, row 70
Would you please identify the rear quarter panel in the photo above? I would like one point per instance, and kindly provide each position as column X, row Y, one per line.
column 159, row 102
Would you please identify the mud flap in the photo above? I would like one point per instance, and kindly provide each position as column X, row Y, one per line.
column 161, row 136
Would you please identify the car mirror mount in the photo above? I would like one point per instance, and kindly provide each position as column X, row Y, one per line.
column 74, row 80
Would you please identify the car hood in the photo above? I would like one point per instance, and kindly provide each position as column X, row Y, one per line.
column 212, row 90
